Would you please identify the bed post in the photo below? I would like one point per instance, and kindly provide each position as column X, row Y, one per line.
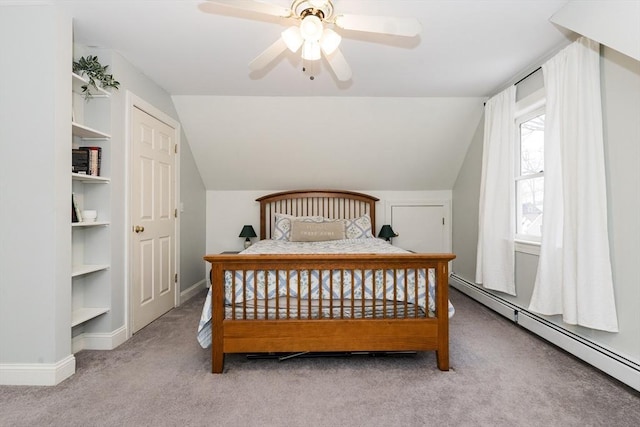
column 217, row 317
column 442, row 311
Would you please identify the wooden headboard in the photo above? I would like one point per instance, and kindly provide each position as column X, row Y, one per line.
column 335, row 204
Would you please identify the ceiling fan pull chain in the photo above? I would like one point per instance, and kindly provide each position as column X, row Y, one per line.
column 309, row 68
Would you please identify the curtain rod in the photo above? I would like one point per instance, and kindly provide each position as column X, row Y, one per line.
column 522, row 79
column 528, row 75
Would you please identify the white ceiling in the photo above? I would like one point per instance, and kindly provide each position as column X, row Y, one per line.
column 468, row 50
column 467, row 47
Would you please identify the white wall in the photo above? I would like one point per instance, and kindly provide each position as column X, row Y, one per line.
column 35, row 186
column 594, row 19
column 621, row 110
column 243, row 143
column 192, row 191
column 131, row 79
column 35, row 193
column 228, row 211
column 192, row 217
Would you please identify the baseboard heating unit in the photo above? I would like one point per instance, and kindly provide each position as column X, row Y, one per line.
column 619, row 367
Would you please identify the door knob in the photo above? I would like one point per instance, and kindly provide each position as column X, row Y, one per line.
column 138, row 228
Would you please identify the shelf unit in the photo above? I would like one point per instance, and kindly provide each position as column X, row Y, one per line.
column 89, row 224
column 85, row 314
column 88, row 133
column 79, row 81
column 80, row 270
column 90, row 270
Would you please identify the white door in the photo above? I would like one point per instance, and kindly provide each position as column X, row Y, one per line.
column 421, row 228
column 153, row 219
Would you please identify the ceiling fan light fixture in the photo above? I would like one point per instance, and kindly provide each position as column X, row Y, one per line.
column 292, row 38
column 310, row 35
column 311, row 50
column 311, row 28
column 330, row 41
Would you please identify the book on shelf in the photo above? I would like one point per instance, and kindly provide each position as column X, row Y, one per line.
column 80, row 161
column 76, row 215
column 95, row 159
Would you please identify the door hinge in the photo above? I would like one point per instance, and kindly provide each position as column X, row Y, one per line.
column 175, row 213
column 175, row 278
column 175, row 148
column 443, row 221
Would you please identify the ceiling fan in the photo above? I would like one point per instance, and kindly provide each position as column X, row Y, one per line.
column 313, row 34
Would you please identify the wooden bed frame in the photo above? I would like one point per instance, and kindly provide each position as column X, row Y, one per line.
column 335, row 333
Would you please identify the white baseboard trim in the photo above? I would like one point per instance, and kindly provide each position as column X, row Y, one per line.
column 41, row 374
column 99, row 341
column 610, row 362
column 192, row 290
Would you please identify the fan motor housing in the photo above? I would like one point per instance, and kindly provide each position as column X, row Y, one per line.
column 313, row 12
column 303, row 8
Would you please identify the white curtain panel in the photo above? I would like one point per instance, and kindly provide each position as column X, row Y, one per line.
column 496, row 229
column 574, row 271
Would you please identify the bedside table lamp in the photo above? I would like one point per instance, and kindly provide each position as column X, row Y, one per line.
column 386, row 233
column 248, row 232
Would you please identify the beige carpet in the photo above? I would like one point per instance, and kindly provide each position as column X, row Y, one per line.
column 501, row 376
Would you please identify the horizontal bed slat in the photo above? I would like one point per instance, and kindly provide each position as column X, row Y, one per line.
column 329, row 261
column 330, row 335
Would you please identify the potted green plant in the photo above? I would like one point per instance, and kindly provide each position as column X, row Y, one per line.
column 95, row 73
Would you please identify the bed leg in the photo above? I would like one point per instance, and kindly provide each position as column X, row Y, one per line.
column 443, row 359
column 217, row 361
column 217, row 346
column 217, row 318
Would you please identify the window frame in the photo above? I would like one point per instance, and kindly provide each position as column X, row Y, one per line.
column 527, row 108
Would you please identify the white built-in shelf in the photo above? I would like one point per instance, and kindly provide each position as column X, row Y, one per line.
column 79, row 81
column 89, row 224
column 85, row 132
column 90, row 281
column 82, row 315
column 81, row 270
column 89, row 178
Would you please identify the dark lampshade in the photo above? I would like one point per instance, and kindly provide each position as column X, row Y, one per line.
column 248, row 231
column 386, row 232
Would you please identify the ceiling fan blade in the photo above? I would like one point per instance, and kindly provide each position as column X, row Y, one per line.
column 268, row 55
column 407, row 27
column 252, row 6
column 339, row 65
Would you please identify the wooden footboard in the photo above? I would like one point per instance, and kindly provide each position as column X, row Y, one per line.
column 331, row 323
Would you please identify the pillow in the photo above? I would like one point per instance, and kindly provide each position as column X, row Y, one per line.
column 358, row 228
column 306, row 231
column 282, row 225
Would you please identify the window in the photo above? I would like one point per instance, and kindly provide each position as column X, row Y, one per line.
column 530, row 175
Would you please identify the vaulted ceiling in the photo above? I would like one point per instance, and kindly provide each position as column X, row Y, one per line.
column 404, row 120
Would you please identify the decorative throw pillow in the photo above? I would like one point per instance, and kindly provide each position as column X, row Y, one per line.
column 282, row 225
column 305, row 231
column 358, row 228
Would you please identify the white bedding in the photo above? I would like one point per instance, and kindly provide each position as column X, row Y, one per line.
column 364, row 283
